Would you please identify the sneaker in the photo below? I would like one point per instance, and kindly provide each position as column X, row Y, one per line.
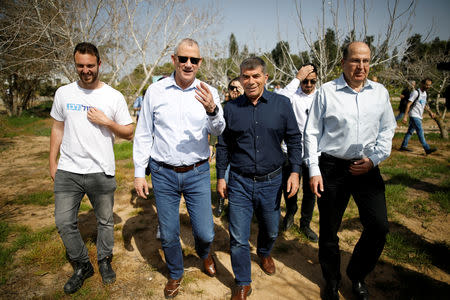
column 431, row 150
column 108, row 274
column 80, row 273
column 405, row 149
column 309, row 233
column 158, row 233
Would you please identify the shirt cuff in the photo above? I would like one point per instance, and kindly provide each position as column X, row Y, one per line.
column 314, row 171
column 375, row 160
column 139, row 172
column 221, row 173
column 296, row 169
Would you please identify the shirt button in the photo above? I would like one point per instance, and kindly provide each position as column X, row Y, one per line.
column 256, row 122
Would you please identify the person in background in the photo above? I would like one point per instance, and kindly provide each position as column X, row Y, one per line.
column 404, row 97
column 138, row 104
column 417, row 104
column 235, row 90
column 301, row 91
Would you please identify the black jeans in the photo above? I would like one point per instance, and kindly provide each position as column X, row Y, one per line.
column 308, row 200
column 368, row 191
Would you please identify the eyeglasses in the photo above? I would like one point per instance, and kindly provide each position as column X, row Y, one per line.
column 233, row 88
column 305, row 81
column 184, row 59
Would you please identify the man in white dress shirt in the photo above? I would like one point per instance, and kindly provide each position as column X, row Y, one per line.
column 351, row 123
column 301, row 91
column 172, row 136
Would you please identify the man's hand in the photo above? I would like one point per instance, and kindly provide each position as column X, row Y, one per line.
column 98, row 117
column 304, row 72
column 316, row 185
column 222, row 188
column 292, row 184
column 53, row 168
column 361, row 166
column 405, row 119
column 141, row 186
column 205, row 97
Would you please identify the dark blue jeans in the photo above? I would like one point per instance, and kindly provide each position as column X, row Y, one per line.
column 246, row 196
column 415, row 124
column 368, row 192
column 70, row 189
column 195, row 186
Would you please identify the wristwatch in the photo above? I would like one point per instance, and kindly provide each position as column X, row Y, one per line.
column 214, row 113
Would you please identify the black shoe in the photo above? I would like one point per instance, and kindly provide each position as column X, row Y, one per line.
column 288, row 222
column 108, row 274
column 219, row 209
column 360, row 290
column 310, row 235
column 331, row 290
column 405, row 149
column 431, row 150
column 81, row 272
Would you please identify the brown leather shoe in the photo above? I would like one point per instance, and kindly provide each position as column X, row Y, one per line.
column 209, row 265
column 241, row 292
column 267, row 265
column 172, row 287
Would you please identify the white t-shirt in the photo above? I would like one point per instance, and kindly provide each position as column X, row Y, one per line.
column 416, row 111
column 87, row 147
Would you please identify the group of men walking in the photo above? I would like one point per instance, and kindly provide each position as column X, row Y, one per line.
column 346, row 128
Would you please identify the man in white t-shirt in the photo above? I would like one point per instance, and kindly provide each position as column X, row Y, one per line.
column 417, row 103
column 87, row 115
column 301, row 91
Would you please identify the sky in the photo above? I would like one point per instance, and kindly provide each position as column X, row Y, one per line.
column 259, row 24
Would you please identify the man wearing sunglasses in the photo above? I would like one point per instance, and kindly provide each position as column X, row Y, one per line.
column 301, row 91
column 172, row 136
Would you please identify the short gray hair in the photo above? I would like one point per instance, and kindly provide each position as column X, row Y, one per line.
column 188, row 41
column 252, row 63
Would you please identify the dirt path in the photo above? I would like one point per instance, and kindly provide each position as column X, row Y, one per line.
column 141, row 271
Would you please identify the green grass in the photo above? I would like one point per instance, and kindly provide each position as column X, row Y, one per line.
column 43, row 198
column 123, row 150
column 15, row 238
column 443, row 199
column 401, row 249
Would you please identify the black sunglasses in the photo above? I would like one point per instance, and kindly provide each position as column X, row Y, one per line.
column 184, row 59
column 305, row 81
column 233, row 88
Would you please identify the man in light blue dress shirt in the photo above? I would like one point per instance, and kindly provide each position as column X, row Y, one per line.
column 350, row 126
column 177, row 115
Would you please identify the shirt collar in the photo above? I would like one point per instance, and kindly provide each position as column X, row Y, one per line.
column 341, row 83
column 264, row 97
column 172, row 83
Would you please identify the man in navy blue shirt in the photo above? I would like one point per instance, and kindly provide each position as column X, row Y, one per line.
column 256, row 123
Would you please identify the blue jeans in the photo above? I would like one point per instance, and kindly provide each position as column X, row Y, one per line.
column 195, row 186
column 70, row 189
column 244, row 197
column 415, row 124
column 399, row 116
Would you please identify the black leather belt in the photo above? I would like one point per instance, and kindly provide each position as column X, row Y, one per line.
column 331, row 158
column 182, row 169
column 261, row 178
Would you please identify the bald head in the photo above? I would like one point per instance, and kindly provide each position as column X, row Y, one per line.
column 356, row 64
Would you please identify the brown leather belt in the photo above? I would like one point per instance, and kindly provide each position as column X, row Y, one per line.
column 182, row 169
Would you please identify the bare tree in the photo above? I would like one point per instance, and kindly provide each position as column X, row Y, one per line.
column 37, row 38
column 325, row 41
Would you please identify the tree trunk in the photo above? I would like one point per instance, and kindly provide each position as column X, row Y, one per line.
column 442, row 127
